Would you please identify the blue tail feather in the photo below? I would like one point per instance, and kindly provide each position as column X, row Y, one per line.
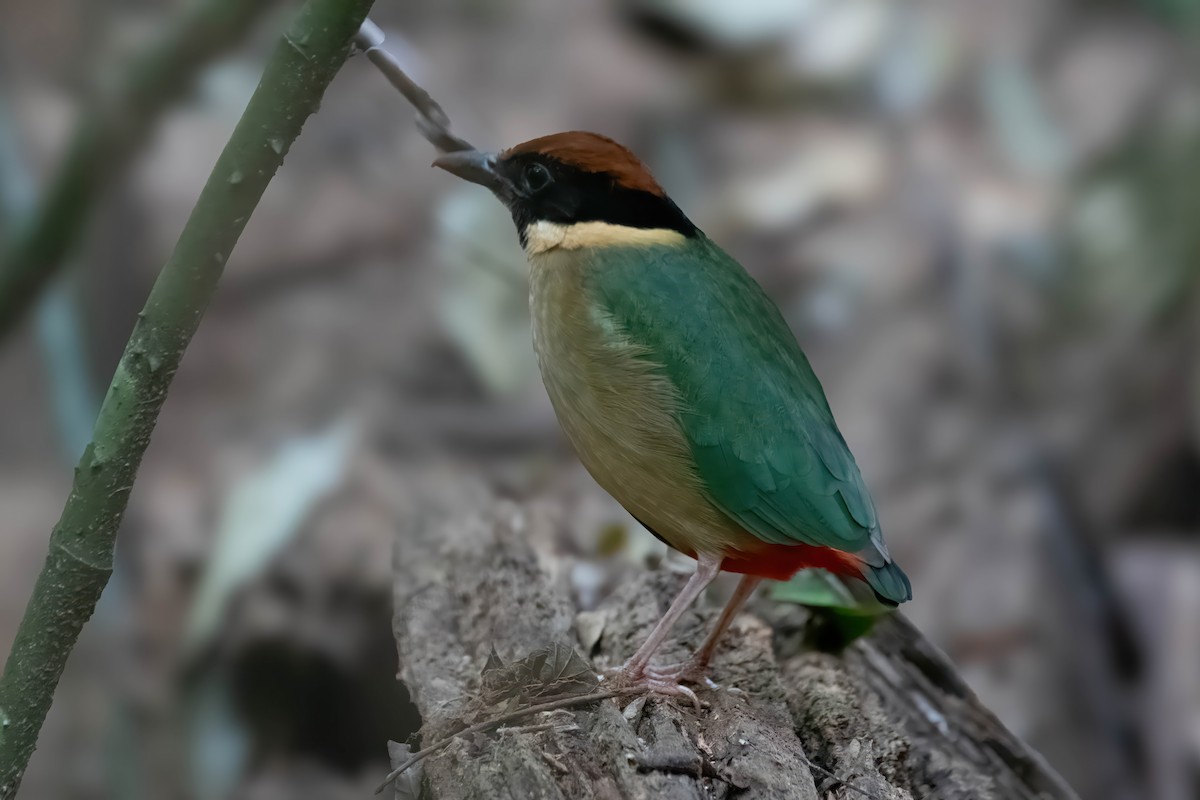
column 889, row 583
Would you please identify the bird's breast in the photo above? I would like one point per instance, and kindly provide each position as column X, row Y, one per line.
column 618, row 409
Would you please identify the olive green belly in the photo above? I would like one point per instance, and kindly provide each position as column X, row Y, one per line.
column 619, row 413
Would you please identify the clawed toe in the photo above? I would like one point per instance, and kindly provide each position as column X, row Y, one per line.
column 652, row 682
column 687, row 672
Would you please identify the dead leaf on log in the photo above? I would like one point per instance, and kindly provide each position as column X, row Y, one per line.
column 589, row 626
column 408, row 783
column 556, row 670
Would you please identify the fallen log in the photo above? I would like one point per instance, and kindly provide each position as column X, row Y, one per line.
column 888, row 718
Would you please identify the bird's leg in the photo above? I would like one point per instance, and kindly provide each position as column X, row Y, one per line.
column 636, row 669
column 696, row 667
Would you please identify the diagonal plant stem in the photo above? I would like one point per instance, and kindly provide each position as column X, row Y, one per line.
column 81, row 546
column 431, row 119
column 109, row 134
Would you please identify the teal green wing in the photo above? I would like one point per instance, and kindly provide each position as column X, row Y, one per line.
column 762, row 435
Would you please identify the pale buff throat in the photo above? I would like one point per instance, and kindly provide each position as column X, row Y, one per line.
column 541, row 237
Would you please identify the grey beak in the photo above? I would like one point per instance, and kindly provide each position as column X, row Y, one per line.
column 476, row 167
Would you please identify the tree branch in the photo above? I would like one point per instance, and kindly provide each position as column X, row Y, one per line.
column 431, row 119
column 81, row 546
column 106, row 139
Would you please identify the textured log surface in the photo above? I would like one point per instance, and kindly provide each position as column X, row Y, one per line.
column 889, row 716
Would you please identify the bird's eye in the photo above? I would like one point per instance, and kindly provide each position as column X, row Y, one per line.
column 537, row 177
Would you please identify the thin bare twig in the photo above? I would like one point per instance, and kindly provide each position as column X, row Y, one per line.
column 555, row 764
column 431, row 119
column 566, row 702
column 545, row 726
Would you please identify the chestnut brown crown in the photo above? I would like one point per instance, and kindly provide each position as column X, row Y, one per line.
column 594, row 153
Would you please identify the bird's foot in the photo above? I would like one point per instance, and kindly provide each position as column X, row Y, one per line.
column 651, row 681
column 690, row 671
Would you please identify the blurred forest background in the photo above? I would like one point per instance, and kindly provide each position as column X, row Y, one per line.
column 981, row 218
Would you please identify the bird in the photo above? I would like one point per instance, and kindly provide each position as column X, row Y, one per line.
column 679, row 385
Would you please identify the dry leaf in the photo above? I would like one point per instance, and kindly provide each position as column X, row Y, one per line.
column 408, row 783
column 556, row 670
column 589, row 627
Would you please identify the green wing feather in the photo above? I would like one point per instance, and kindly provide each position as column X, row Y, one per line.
column 763, row 437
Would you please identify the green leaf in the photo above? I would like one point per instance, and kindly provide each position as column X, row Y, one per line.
column 837, row 618
column 814, row 587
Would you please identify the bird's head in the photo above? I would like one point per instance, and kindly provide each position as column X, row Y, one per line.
column 573, row 190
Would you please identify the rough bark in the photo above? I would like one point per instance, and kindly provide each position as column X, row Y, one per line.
column 889, row 716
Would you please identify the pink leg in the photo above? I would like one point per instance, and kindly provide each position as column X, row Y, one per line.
column 707, row 568
column 741, row 594
column 696, row 666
